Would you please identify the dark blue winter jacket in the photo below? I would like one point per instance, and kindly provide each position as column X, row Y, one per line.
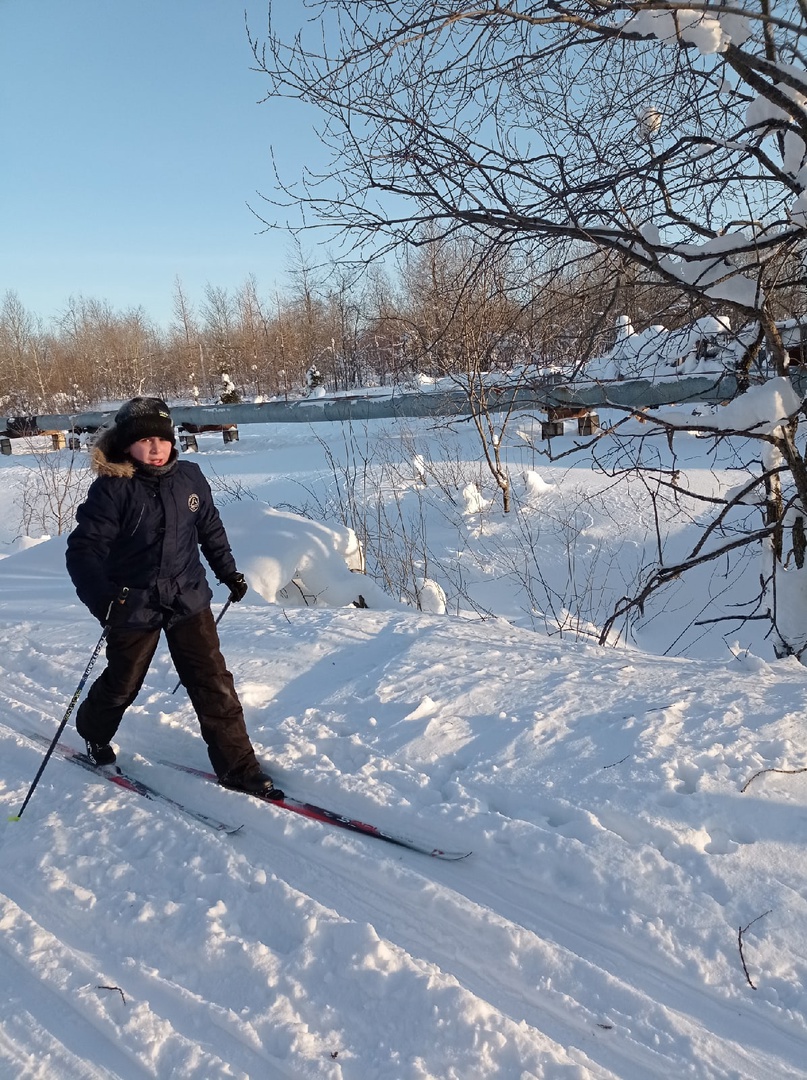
column 142, row 528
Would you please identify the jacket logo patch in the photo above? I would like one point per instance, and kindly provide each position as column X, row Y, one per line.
column 193, row 503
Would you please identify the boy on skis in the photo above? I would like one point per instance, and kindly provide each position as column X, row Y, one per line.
column 140, row 529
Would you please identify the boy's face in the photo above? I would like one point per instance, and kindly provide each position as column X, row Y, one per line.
column 152, row 451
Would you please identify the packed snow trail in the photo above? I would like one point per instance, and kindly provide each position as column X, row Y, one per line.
column 333, row 818
column 592, row 935
column 115, row 775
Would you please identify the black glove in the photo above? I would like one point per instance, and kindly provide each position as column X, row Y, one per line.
column 237, row 584
column 115, row 614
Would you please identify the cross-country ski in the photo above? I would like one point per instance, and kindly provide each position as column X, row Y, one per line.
column 331, row 817
column 123, row 779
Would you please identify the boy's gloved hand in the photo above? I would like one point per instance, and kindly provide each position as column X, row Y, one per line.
column 237, row 584
column 115, row 614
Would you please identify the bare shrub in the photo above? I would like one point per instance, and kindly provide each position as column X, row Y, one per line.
column 54, row 487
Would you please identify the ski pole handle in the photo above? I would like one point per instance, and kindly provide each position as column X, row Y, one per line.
column 119, row 599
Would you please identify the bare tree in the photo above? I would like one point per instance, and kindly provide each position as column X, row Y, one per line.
column 671, row 139
column 53, row 488
column 466, row 311
column 24, row 375
column 182, row 346
column 254, row 338
column 666, row 135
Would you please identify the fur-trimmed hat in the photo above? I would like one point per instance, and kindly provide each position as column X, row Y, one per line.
column 143, row 418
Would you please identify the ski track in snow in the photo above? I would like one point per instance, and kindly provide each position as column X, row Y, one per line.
column 592, row 935
column 305, row 903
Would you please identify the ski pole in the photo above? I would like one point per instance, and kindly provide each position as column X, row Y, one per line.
column 107, row 627
column 218, row 620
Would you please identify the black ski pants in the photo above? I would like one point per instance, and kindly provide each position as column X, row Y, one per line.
column 195, row 650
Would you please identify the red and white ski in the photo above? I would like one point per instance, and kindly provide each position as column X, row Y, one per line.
column 122, row 779
column 330, row 817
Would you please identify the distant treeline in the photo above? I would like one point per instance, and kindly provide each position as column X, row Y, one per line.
column 447, row 311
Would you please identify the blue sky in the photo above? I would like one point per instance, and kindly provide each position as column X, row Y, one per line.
column 131, row 143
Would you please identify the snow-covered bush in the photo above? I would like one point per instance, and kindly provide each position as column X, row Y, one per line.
column 290, row 560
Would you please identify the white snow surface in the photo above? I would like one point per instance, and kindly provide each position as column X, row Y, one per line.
column 762, row 409
column 297, row 562
column 708, row 33
column 658, row 352
column 635, row 906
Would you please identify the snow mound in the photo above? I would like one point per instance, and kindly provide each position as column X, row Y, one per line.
column 293, row 561
column 534, row 484
column 431, row 597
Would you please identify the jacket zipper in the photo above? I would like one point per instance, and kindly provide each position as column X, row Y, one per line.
column 137, row 523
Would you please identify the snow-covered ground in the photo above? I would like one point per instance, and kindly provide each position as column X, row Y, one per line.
column 636, row 902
